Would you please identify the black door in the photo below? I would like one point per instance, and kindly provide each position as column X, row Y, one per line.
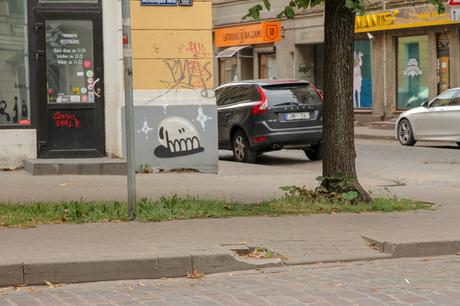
column 67, row 77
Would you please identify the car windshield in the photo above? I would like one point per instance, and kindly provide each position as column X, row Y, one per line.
column 291, row 94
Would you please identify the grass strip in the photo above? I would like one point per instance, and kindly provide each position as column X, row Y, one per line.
column 177, row 208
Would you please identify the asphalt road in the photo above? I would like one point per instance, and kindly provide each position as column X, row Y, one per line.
column 419, row 281
column 426, row 163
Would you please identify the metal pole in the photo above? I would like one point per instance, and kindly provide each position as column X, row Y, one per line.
column 129, row 109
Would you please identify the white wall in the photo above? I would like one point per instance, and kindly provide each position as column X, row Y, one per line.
column 113, row 75
column 16, row 146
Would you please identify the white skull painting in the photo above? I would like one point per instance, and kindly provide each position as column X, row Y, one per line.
column 178, row 137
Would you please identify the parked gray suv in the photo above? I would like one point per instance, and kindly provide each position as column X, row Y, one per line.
column 266, row 115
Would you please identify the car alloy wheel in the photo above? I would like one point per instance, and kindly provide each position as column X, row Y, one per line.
column 241, row 149
column 405, row 135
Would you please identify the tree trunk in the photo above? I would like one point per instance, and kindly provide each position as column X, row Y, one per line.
column 339, row 145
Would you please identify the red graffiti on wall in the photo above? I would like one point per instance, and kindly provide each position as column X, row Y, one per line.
column 197, row 49
column 65, row 120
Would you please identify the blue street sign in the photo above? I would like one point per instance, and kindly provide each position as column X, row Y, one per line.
column 159, row 2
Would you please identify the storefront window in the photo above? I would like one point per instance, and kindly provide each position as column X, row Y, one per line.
column 228, row 70
column 14, row 82
column 413, row 68
column 362, row 74
column 267, row 66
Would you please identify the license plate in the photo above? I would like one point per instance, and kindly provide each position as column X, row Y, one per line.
column 296, row 116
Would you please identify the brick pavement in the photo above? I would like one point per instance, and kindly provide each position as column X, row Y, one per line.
column 420, row 282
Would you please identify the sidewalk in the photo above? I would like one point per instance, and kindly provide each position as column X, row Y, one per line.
column 363, row 132
column 96, row 252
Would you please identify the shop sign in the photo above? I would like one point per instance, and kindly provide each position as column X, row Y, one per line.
column 413, row 17
column 259, row 33
column 376, row 19
column 454, row 2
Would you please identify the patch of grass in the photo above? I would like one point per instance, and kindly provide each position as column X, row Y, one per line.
column 176, row 208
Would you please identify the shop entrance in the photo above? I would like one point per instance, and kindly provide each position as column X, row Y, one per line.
column 67, row 78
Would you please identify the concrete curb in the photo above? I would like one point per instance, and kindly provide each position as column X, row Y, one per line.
column 375, row 137
column 205, row 262
column 416, row 249
column 123, row 269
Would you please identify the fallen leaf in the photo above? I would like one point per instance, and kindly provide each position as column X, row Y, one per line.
column 130, row 287
column 427, row 259
column 230, row 274
column 195, row 275
column 18, row 287
column 407, row 281
column 64, row 184
column 458, row 254
column 49, row 284
column 141, row 283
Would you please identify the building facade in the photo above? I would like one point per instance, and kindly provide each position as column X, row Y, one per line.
column 61, row 82
column 405, row 52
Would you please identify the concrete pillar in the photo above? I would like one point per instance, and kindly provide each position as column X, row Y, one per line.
column 432, row 63
column 454, row 57
column 378, row 74
column 391, row 74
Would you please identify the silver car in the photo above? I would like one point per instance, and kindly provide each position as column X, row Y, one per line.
column 437, row 120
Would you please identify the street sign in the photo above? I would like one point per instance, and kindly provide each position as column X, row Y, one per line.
column 159, row 2
column 454, row 2
column 455, row 14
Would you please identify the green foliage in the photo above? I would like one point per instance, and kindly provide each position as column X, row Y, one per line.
column 356, row 6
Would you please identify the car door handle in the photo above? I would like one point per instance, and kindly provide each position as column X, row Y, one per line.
column 228, row 115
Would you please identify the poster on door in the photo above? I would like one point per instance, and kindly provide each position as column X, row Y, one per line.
column 362, row 74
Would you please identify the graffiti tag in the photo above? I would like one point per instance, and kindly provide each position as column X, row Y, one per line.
column 197, row 49
column 64, row 120
column 188, row 74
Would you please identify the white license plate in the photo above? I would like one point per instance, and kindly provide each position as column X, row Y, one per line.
column 296, row 116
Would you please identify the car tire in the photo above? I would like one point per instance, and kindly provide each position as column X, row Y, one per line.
column 242, row 151
column 405, row 134
column 315, row 152
column 458, row 144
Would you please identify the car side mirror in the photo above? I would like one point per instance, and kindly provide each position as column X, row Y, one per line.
column 425, row 104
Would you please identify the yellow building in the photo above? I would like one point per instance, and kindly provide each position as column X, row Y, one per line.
column 73, row 52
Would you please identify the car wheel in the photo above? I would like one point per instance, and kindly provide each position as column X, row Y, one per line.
column 458, row 144
column 315, row 152
column 242, row 152
column 405, row 135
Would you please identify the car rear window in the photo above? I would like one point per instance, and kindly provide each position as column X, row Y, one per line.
column 291, row 94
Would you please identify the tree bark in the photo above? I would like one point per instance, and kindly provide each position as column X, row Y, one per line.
column 339, row 145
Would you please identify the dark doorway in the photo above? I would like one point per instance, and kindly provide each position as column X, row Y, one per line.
column 67, row 78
